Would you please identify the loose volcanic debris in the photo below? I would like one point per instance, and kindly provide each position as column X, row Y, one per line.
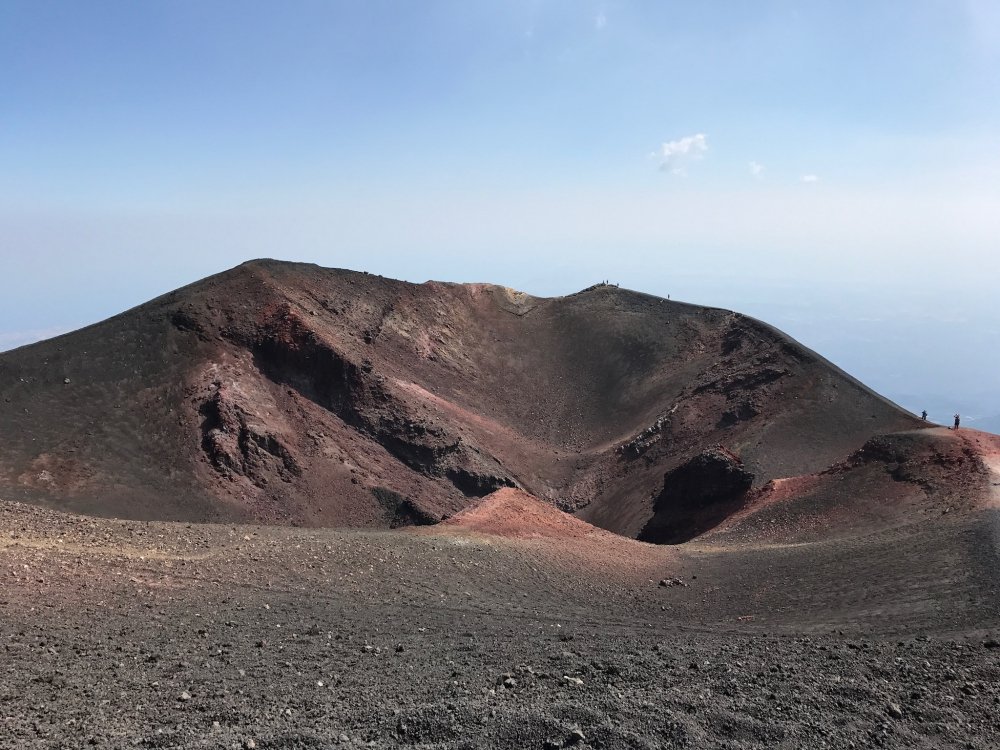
column 123, row 634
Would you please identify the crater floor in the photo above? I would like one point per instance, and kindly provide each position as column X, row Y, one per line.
column 122, row 634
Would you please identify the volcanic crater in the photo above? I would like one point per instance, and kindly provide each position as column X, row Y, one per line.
column 292, row 394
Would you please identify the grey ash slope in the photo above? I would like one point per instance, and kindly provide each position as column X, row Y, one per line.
column 288, row 393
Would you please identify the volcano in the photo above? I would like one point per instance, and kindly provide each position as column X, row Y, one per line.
column 605, row 520
column 285, row 393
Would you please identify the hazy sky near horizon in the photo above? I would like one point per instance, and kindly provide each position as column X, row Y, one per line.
column 833, row 167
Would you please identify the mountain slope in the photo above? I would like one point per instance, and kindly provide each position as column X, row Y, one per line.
column 289, row 393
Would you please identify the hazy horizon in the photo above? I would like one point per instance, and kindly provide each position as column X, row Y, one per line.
column 832, row 169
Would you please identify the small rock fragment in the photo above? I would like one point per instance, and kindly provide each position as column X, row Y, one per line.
column 670, row 582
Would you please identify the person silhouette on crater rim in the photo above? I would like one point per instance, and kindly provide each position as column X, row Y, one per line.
column 923, row 415
column 958, row 420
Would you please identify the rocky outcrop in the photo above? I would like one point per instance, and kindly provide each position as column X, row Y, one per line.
column 645, row 440
column 934, row 465
column 287, row 351
column 236, row 444
column 696, row 496
column 400, row 510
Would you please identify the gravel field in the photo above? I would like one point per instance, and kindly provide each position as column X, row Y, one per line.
column 125, row 634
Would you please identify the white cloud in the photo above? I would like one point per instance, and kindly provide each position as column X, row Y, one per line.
column 810, row 178
column 600, row 21
column 756, row 168
column 675, row 155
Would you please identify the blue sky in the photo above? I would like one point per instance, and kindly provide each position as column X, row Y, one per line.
column 833, row 167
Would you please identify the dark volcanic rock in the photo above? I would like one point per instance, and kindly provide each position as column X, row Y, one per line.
column 400, row 511
column 696, row 496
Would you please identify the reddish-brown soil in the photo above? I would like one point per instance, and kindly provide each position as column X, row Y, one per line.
column 516, row 514
column 529, row 526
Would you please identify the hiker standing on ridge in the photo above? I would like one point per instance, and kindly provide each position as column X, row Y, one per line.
column 958, row 420
column 923, row 415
